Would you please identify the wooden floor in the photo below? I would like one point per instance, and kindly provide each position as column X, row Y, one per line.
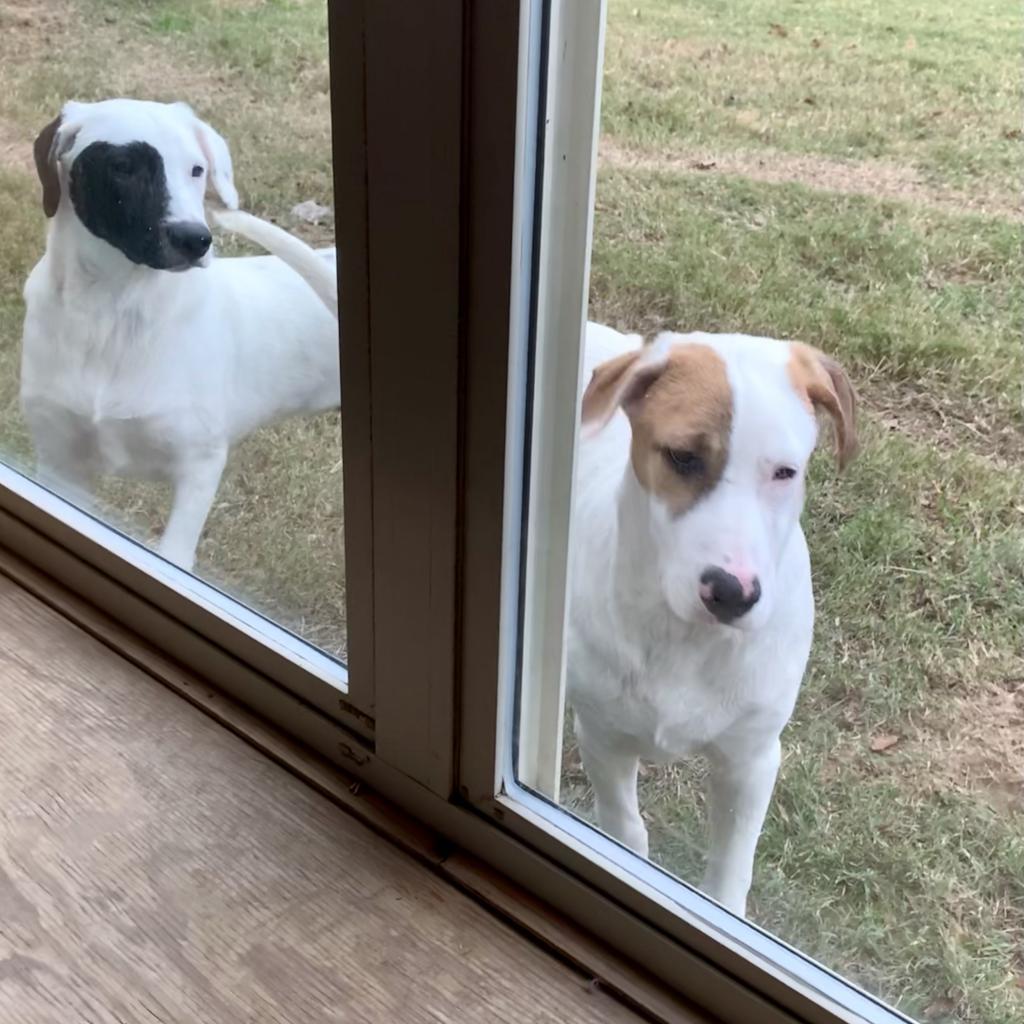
column 154, row 868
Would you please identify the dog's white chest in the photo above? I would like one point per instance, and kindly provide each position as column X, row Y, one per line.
column 94, row 380
column 666, row 703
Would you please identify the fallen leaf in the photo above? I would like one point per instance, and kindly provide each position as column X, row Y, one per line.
column 1013, row 133
column 778, row 30
column 886, row 741
column 703, row 165
column 310, row 211
column 816, row 43
column 810, row 101
column 939, row 1008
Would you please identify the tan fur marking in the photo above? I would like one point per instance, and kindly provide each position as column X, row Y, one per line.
column 822, row 384
column 688, row 407
column 46, row 166
column 606, row 389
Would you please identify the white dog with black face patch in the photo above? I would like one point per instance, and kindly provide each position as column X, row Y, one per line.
column 691, row 606
column 142, row 355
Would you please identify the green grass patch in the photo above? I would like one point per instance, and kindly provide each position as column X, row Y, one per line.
column 932, row 85
column 913, row 295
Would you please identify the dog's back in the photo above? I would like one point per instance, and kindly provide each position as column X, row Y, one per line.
column 316, row 268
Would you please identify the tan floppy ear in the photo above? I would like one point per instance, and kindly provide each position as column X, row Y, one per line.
column 622, row 381
column 828, row 387
column 45, row 155
column 218, row 158
column 50, row 145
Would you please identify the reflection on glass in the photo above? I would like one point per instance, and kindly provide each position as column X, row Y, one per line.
column 754, row 178
column 181, row 391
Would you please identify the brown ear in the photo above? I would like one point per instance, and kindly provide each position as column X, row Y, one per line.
column 618, row 382
column 828, row 387
column 46, row 166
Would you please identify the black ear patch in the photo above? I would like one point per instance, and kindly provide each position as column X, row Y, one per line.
column 120, row 195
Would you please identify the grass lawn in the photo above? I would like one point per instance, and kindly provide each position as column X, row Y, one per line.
column 850, row 175
column 841, row 173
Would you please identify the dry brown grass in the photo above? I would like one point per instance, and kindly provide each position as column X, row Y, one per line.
column 976, row 744
column 877, row 178
column 940, row 420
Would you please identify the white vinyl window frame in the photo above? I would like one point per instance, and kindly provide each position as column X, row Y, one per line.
column 461, row 244
column 571, row 104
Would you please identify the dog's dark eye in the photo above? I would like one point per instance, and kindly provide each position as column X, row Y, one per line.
column 684, row 463
column 197, row 171
column 784, row 473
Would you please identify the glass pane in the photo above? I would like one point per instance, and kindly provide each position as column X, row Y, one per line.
column 164, row 373
column 846, row 176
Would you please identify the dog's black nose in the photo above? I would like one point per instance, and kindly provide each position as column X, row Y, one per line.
column 723, row 594
column 189, row 239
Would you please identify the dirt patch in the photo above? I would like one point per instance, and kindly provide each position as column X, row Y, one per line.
column 687, row 49
column 15, row 148
column 979, row 746
column 31, row 31
column 15, row 14
column 943, row 420
column 876, row 178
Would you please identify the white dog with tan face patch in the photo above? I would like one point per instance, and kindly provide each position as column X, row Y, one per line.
column 142, row 355
column 691, row 605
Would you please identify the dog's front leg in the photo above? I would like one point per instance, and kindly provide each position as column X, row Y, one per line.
column 65, row 454
column 740, row 788
column 613, row 777
column 70, row 479
column 195, row 487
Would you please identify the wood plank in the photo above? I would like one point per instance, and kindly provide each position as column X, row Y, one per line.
column 153, row 867
column 560, row 935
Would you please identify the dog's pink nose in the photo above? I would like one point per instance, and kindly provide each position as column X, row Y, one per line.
column 748, row 581
column 725, row 595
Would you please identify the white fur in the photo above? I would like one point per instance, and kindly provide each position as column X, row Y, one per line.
column 153, row 374
column 651, row 674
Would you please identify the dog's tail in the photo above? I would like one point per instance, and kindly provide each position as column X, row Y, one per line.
column 318, row 273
